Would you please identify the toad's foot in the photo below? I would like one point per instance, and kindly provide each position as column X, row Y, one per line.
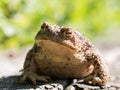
column 93, row 80
column 33, row 78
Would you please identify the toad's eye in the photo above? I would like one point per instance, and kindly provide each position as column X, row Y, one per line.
column 66, row 32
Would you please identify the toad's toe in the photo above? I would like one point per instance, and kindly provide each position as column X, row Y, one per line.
column 23, row 79
column 96, row 81
column 43, row 78
column 33, row 78
column 93, row 80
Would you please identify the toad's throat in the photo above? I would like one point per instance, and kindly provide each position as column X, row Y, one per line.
column 55, row 48
column 56, row 45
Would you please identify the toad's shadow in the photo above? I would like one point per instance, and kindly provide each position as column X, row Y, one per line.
column 10, row 83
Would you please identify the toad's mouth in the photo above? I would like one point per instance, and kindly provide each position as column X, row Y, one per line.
column 56, row 45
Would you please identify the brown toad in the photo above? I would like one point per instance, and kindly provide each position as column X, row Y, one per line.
column 63, row 53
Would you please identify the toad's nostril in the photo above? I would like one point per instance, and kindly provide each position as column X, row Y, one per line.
column 44, row 25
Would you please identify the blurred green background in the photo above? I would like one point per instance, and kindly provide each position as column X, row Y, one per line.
column 20, row 20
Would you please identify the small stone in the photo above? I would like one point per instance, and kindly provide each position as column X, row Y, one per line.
column 48, row 87
column 71, row 87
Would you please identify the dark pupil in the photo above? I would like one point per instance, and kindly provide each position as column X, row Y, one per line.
column 68, row 33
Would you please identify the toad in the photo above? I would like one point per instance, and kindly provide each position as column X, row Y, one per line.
column 62, row 52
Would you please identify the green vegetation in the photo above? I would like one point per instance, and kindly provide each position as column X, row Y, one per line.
column 21, row 19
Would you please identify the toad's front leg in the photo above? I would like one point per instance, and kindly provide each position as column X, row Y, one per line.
column 29, row 71
column 99, row 76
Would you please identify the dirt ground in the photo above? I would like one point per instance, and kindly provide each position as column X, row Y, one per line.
column 11, row 61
